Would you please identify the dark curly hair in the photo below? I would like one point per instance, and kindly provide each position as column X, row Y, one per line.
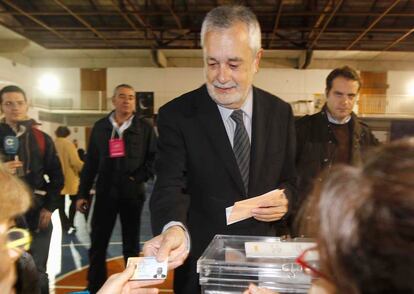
column 62, row 132
column 346, row 72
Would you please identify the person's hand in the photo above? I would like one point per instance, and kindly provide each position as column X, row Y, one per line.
column 44, row 218
column 82, row 205
column 12, row 165
column 253, row 289
column 120, row 284
column 171, row 244
column 271, row 209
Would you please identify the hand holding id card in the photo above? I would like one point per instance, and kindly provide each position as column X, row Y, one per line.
column 148, row 268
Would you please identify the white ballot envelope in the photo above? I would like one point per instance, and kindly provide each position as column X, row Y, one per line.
column 148, row 268
column 241, row 210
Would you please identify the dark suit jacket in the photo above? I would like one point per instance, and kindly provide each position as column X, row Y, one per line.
column 197, row 172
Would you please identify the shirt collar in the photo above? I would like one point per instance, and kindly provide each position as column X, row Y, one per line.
column 120, row 129
column 247, row 108
column 331, row 119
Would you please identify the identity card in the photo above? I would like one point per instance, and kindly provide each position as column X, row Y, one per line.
column 148, row 268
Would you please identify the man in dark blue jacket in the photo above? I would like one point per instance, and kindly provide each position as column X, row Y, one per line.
column 120, row 153
column 34, row 158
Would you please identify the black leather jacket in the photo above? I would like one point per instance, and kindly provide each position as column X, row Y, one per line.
column 317, row 146
column 134, row 169
column 37, row 164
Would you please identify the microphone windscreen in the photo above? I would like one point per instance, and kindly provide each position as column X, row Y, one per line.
column 11, row 145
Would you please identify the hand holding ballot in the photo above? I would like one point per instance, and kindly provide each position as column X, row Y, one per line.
column 272, row 208
column 268, row 207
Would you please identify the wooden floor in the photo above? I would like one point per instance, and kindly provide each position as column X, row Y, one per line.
column 76, row 281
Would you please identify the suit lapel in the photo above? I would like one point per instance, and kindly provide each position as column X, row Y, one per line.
column 260, row 135
column 212, row 124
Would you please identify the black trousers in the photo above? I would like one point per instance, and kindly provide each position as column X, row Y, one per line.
column 64, row 220
column 107, row 207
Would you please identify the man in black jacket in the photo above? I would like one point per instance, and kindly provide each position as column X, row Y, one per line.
column 120, row 153
column 223, row 142
column 31, row 156
column 333, row 135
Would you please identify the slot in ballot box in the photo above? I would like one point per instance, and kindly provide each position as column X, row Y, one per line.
column 230, row 263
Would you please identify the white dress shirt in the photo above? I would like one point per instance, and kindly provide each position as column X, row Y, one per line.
column 119, row 129
column 230, row 124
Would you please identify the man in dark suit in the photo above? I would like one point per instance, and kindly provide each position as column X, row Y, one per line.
column 223, row 142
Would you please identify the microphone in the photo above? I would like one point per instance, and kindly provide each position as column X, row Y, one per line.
column 11, row 145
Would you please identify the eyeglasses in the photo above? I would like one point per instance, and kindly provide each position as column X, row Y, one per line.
column 10, row 104
column 309, row 260
column 19, row 239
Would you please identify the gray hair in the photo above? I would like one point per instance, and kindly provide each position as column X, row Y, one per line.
column 223, row 17
column 122, row 86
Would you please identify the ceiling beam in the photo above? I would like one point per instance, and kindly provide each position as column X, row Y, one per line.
column 202, row 12
column 95, row 8
column 41, row 23
column 373, row 4
column 140, row 29
column 168, row 40
column 174, row 15
column 140, row 19
column 276, row 22
column 159, row 58
column 346, row 30
column 86, row 24
column 299, row 45
column 398, row 40
column 179, row 37
column 321, row 16
column 331, row 15
column 305, row 59
column 372, row 24
column 125, row 16
column 405, row 8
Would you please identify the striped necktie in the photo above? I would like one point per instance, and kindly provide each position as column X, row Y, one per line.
column 241, row 147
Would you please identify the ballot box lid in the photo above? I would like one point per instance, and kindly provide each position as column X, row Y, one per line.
column 234, row 262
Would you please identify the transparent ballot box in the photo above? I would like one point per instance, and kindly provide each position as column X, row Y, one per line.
column 230, row 263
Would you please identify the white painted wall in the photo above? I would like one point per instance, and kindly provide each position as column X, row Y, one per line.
column 15, row 73
column 168, row 83
column 292, row 84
